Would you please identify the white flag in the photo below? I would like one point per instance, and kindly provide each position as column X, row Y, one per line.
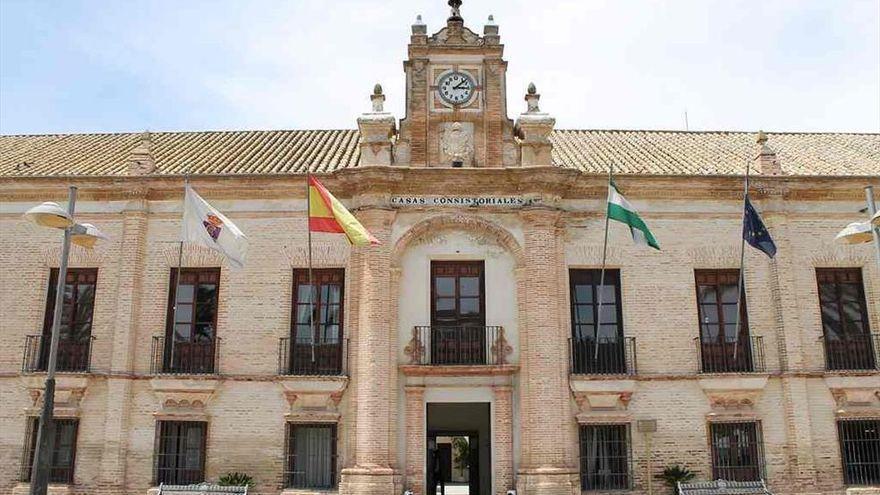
column 204, row 225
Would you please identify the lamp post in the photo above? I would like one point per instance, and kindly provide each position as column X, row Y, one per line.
column 865, row 231
column 52, row 215
column 872, row 221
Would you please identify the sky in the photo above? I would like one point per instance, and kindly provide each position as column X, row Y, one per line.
column 163, row 65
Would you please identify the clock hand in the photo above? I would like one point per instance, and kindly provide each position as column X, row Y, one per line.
column 459, row 86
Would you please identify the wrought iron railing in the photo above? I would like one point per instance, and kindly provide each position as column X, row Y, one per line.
column 312, row 357
column 458, row 345
column 855, row 352
column 730, row 355
column 73, row 356
column 612, row 356
column 185, row 358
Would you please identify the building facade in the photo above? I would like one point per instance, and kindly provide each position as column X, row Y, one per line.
column 464, row 351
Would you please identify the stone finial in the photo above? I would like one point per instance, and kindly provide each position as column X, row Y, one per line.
column 419, row 28
column 490, row 32
column 140, row 160
column 767, row 162
column 378, row 99
column 532, row 98
column 455, row 15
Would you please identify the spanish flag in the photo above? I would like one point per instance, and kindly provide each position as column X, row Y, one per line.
column 326, row 214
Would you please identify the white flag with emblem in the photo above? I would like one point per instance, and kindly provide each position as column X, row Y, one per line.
column 204, row 225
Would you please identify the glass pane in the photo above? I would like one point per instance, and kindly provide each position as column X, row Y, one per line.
column 303, row 334
column 707, row 294
column 302, row 313
column 333, row 293
column 83, row 332
column 470, row 306
column 445, row 304
column 182, row 332
column 710, row 332
column 852, row 311
column 584, row 313
column 583, row 293
column 185, row 293
column 330, row 314
column 184, row 313
column 609, row 294
column 609, row 313
column 849, row 292
column 331, row 334
column 444, row 286
column 204, row 332
column 205, row 313
column 709, row 313
column 728, row 293
column 206, row 293
column 729, row 311
column 303, row 295
column 469, row 286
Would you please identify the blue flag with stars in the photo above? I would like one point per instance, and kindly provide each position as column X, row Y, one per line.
column 754, row 231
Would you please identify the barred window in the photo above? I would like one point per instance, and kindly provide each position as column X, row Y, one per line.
column 736, row 451
column 311, row 456
column 847, row 335
column 75, row 325
column 180, row 453
column 605, row 451
column 860, row 450
column 63, row 453
column 596, row 349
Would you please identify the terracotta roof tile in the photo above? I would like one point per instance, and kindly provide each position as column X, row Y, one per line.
column 290, row 152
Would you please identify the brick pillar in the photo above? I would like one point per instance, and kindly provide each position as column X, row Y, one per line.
column 415, row 439
column 502, row 431
column 132, row 249
column 372, row 472
column 546, row 466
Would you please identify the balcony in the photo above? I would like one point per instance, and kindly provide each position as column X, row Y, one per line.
column 73, row 356
column 731, row 355
column 854, row 353
column 458, row 346
column 309, row 357
column 185, row 358
column 612, row 356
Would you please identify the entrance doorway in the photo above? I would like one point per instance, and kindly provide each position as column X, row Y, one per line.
column 459, row 448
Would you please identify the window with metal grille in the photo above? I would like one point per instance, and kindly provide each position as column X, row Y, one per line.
column 736, row 451
column 75, row 327
column 311, row 456
column 860, row 450
column 191, row 339
column 180, row 452
column 605, row 451
column 63, row 453
column 724, row 335
column 847, row 336
column 609, row 357
column 316, row 333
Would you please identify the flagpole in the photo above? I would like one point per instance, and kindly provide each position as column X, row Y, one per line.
column 742, row 268
column 311, row 287
column 177, row 278
column 598, row 321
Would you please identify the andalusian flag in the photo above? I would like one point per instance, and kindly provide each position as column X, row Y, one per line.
column 619, row 209
column 326, row 214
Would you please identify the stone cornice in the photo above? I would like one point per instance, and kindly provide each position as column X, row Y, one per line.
column 550, row 182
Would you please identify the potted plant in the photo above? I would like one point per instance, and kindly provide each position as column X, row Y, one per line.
column 672, row 475
column 236, row 479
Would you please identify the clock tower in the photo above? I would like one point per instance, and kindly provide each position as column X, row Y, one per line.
column 456, row 113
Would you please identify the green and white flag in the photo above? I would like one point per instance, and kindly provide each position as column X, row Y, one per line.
column 619, row 209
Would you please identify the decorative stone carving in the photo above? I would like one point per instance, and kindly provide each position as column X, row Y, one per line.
column 455, row 34
column 377, row 128
column 501, row 348
column 324, row 254
column 457, row 143
column 69, row 393
column 855, row 394
column 415, row 349
column 194, row 255
column 599, row 398
column 533, row 129
column 182, row 397
column 80, row 257
column 735, row 393
column 313, row 398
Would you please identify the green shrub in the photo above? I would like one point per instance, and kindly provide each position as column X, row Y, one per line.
column 236, row 479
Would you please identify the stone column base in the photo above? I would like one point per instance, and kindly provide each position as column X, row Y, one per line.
column 547, row 481
column 370, row 480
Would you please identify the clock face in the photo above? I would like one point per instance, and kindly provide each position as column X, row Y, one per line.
column 456, row 88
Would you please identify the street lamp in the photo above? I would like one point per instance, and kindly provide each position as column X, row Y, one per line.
column 866, row 231
column 53, row 215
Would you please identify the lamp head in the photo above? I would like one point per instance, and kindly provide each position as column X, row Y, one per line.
column 875, row 220
column 49, row 214
column 86, row 235
column 856, row 233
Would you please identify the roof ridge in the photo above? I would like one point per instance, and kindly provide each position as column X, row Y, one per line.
column 726, row 131
column 154, row 133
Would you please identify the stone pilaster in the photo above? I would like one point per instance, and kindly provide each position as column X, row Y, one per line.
column 132, row 260
column 533, row 128
column 546, row 463
column 502, row 431
column 372, row 472
column 415, row 439
column 376, row 129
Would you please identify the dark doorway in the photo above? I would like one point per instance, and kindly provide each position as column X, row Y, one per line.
column 458, row 449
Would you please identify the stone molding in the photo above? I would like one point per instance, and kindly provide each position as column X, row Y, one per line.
column 183, row 397
column 601, row 398
column 313, row 399
column 733, row 394
column 194, row 256
column 324, row 255
column 69, row 393
column 80, row 257
column 835, row 255
column 855, row 395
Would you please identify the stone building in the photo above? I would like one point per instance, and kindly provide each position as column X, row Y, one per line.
column 463, row 349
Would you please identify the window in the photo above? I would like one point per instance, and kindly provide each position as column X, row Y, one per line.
column 458, row 313
column 63, row 454
column 316, row 341
column 722, row 348
column 180, row 457
column 609, row 357
column 75, row 327
column 847, row 336
column 605, row 451
column 311, row 456
column 190, row 343
column 860, row 451
column 736, row 451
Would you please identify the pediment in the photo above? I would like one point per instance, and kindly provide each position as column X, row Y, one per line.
column 599, row 398
column 456, row 35
column 183, row 397
column 69, row 393
column 733, row 394
column 313, row 399
column 855, row 394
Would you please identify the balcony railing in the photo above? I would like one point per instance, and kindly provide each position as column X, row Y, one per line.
column 185, row 358
column 73, row 356
column 614, row 356
column 731, row 355
column 322, row 357
column 856, row 352
column 458, row 345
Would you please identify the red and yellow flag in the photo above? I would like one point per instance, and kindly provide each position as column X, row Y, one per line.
column 326, row 214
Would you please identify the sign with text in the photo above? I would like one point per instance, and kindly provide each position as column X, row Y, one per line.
column 504, row 201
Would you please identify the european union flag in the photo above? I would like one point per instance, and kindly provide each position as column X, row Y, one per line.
column 754, row 231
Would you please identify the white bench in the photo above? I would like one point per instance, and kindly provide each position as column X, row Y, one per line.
column 200, row 489
column 723, row 487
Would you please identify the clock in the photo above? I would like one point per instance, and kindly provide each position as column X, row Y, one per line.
column 456, row 88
